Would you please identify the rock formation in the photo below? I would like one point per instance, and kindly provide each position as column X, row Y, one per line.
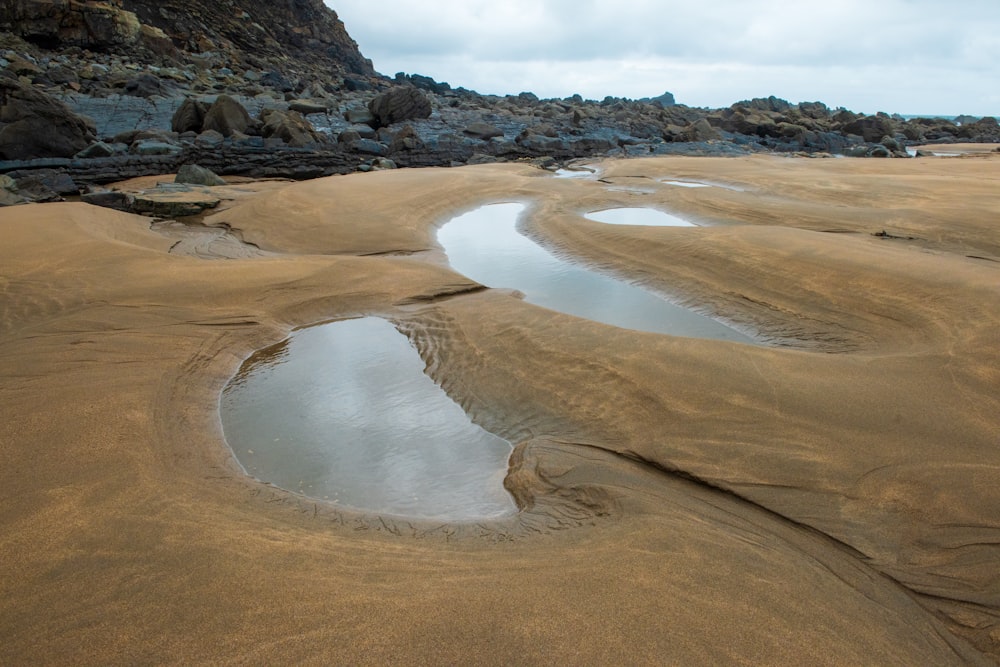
column 33, row 124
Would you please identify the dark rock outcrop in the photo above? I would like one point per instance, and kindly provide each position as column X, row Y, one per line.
column 189, row 117
column 399, row 104
column 33, row 124
column 258, row 33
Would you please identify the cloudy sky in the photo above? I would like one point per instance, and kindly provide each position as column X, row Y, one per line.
column 899, row 56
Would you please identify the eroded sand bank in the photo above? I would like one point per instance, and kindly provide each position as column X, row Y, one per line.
column 831, row 499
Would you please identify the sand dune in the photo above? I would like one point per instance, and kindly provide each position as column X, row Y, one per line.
column 832, row 497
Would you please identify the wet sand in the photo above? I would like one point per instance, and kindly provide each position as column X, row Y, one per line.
column 833, row 498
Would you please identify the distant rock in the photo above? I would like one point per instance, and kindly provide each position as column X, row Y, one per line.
column 664, row 100
column 700, row 130
column 869, row 128
column 399, row 104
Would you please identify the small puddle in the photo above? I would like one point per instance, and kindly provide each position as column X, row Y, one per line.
column 575, row 172
column 647, row 217
column 686, row 184
column 343, row 412
column 484, row 245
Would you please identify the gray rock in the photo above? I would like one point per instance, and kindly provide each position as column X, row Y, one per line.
column 8, row 198
column 359, row 116
column 484, row 131
column 364, row 131
column 368, row 147
column 154, row 148
column 45, row 181
column 96, row 150
column 196, row 175
column 109, row 199
column 210, row 138
column 348, row 136
column 307, row 107
column 891, row 144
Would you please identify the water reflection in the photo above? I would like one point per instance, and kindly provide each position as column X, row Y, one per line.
column 647, row 217
column 485, row 246
column 687, row 184
column 344, row 412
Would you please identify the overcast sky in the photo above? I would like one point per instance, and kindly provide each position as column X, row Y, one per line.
column 899, row 56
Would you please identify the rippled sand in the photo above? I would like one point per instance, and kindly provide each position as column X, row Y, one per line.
column 833, row 498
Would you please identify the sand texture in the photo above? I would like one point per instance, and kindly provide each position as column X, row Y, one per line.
column 831, row 497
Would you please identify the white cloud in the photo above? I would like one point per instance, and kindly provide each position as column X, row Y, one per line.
column 907, row 56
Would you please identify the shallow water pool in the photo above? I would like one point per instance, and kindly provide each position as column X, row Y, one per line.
column 343, row 412
column 485, row 245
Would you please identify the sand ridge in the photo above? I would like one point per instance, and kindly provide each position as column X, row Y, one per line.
column 829, row 499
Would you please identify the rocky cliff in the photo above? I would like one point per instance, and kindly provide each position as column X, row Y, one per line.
column 301, row 35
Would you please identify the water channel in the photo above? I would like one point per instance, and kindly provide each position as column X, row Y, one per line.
column 343, row 411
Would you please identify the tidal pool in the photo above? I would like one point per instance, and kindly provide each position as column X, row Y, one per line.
column 344, row 412
column 485, row 246
column 648, row 217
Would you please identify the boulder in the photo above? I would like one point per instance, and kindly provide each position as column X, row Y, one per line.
column 306, row 107
column 8, row 192
column 96, row 150
column 46, row 185
column 189, row 117
column 406, row 139
column 869, row 128
column 382, row 163
column 891, row 144
column 109, row 199
column 33, row 124
column 226, row 116
column 348, row 136
column 399, row 104
column 700, row 130
column 168, row 203
column 289, row 126
column 359, row 116
column 196, row 175
column 368, row 147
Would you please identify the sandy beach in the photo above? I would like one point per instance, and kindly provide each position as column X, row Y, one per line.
column 829, row 497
